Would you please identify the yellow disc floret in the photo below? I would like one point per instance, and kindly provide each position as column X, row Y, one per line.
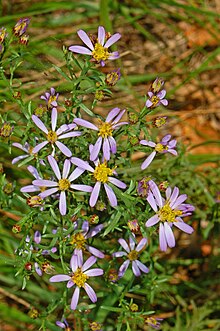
column 155, row 100
column 100, row 53
column 102, row 172
column 133, row 255
column 105, row 129
column 167, row 214
column 52, row 137
column 78, row 240
column 160, row 148
column 79, row 278
column 51, row 99
column 64, row 184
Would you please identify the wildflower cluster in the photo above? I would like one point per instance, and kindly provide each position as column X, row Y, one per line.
column 84, row 217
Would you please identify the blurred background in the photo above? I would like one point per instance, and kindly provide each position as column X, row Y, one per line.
column 175, row 40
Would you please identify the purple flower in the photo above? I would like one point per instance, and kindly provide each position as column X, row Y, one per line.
column 32, row 188
column 51, row 98
column 156, row 99
column 21, row 27
column 3, row 34
column 79, row 277
column 105, row 130
column 153, row 321
column 62, row 184
column 113, row 77
column 169, row 212
column 132, row 254
column 102, row 174
column 98, row 49
column 164, row 146
column 26, row 148
column 63, row 325
column 82, row 233
column 53, row 136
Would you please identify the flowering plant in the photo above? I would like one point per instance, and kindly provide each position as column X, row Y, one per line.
column 111, row 202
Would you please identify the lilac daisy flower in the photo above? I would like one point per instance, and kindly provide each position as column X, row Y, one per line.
column 132, row 254
column 156, row 99
column 79, row 277
column 63, row 325
column 21, row 26
column 98, row 49
column 105, row 130
column 169, row 212
column 164, row 146
column 153, row 322
column 53, row 136
column 26, row 148
column 51, row 98
column 62, row 184
column 78, row 240
column 102, row 174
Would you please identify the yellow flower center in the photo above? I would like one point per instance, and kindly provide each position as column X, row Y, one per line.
column 64, row 184
column 52, row 137
column 105, row 129
column 6, row 130
column 160, row 148
column 155, row 100
column 51, row 99
column 151, row 320
column 133, row 255
column 78, row 240
column 79, row 278
column 102, row 172
column 167, row 214
column 100, row 53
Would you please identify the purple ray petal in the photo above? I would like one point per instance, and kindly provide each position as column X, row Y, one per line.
column 45, row 182
column 91, row 293
column 86, row 124
column 169, row 235
column 151, row 200
column 184, row 227
column 38, row 269
column 18, row 158
column 161, row 94
column 95, row 194
column 62, row 203
column 112, row 114
column 113, row 56
column 23, row 148
column 164, row 102
column 152, row 221
column 29, row 189
column 123, row 268
column 81, row 164
column 147, row 143
column 60, row 324
column 148, row 160
column 94, row 231
column 101, row 35
column 75, row 174
column 142, row 266
column 117, row 118
column 117, row 182
column 106, row 149
column 94, row 251
column 59, row 278
column 135, row 269
column 178, row 201
column 168, row 193
column 48, row 192
column 132, row 242
column 70, row 135
column 74, row 263
column 75, row 298
column 85, row 38
column 65, row 150
column 111, row 195
column 80, row 258
column 66, row 168
column 96, row 149
column 172, row 151
column 94, row 272
column 37, row 148
column 113, row 39
column 174, row 195
column 80, row 50
column 81, row 187
column 37, row 237
column 156, row 192
column 123, row 243
column 91, row 260
column 39, row 124
column 113, row 145
column 65, row 128
column 54, row 119
column 70, row 284
column 54, row 166
column 162, row 238
column 119, row 254
column 148, row 103
column 34, row 172
column 141, row 244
